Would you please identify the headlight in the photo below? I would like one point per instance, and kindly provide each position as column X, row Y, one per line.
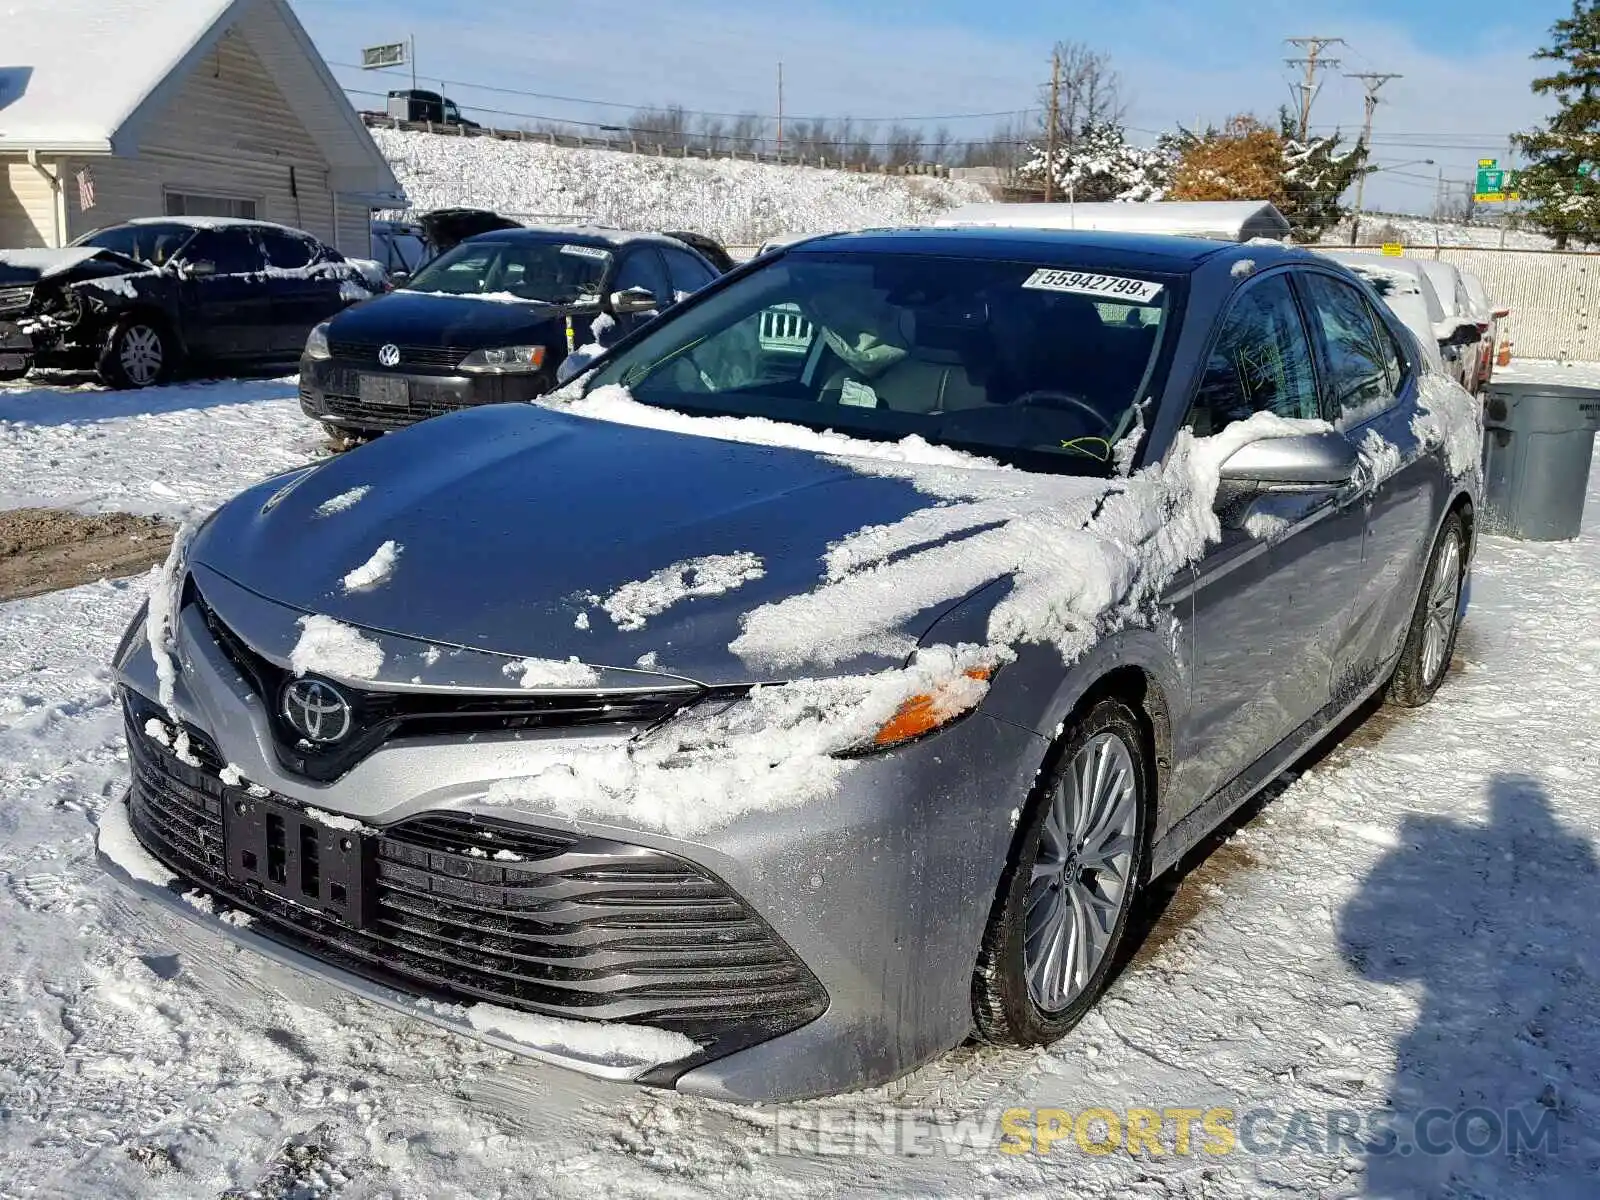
column 925, row 712
column 317, row 343
column 504, row 360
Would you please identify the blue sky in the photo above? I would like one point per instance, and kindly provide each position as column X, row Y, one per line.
column 1465, row 65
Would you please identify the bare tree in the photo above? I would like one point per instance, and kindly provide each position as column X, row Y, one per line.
column 1090, row 94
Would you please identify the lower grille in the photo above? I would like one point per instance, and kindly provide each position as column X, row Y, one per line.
column 466, row 909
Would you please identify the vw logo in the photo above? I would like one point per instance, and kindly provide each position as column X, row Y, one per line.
column 317, row 711
column 389, row 355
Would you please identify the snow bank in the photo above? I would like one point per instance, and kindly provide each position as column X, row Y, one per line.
column 330, row 647
column 343, row 501
column 376, row 570
column 711, row 575
column 739, row 203
column 551, row 673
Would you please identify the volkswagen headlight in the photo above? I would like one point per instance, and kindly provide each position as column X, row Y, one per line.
column 317, row 343
column 504, row 360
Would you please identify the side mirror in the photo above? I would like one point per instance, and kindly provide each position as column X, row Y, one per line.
column 396, row 278
column 634, row 299
column 1457, row 332
column 1309, row 462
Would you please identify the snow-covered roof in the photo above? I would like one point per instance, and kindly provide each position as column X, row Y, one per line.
column 605, row 233
column 88, row 76
column 1227, row 220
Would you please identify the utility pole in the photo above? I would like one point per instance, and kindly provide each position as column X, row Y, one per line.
column 780, row 111
column 1313, row 47
column 1371, row 81
column 1050, row 128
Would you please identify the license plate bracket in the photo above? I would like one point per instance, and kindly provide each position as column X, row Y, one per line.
column 283, row 852
column 388, row 390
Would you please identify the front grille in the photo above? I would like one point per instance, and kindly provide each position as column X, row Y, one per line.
column 342, row 395
column 365, row 356
column 466, row 909
column 387, row 716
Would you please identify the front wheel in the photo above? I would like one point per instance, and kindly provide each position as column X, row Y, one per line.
column 138, row 353
column 1431, row 640
column 1064, row 900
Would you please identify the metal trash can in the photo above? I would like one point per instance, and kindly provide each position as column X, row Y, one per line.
column 1537, row 443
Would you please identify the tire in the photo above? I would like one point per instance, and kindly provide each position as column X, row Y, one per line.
column 1021, row 996
column 1431, row 640
column 139, row 353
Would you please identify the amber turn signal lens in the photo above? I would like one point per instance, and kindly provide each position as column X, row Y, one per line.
column 924, row 713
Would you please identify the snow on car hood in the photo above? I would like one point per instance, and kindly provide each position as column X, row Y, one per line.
column 45, row 263
column 529, row 532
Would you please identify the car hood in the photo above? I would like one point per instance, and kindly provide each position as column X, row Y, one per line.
column 20, row 268
column 514, row 524
column 430, row 319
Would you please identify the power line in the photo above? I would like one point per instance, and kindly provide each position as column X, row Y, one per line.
column 1308, row 89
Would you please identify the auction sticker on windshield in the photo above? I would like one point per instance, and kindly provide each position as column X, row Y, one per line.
column 584, row 251
column 1052, row 280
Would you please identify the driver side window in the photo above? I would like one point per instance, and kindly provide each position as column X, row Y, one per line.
column 1260, row 362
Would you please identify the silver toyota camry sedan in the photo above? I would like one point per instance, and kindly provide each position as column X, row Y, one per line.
column 812, row 683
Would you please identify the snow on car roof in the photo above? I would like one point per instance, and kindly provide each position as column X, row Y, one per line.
column 597, row 233
column 210, row 223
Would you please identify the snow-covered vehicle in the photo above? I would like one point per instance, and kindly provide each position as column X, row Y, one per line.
column 1447, row 339
column 137, row 301
column 761, row 723
column 492, row 319
column 1488, row 315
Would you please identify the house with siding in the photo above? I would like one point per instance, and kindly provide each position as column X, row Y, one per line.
column 112, row 109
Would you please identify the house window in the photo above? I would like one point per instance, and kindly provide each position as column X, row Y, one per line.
column 192, row 204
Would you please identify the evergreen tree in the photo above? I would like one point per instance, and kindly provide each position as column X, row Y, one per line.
column 1559, row 183
column 1315, row 175
column 1101, row 164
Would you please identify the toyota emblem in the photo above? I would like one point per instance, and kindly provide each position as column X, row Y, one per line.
column 389, row 355
column 317, row 711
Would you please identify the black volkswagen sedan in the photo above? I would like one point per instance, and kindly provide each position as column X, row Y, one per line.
column 488, row 321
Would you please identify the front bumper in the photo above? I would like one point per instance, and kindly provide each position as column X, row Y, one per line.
column 330, row 392
column 880, row 891
column 16, row 351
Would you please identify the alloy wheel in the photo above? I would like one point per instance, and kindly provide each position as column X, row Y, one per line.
column 1443, row 601
column 1081, row 872
column 141, row 355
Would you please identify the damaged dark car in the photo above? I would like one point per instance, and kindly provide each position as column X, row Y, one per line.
column 141, row 301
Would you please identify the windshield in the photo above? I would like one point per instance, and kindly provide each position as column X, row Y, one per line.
column 1038, row 366
column 153, row 243
column 552, row 272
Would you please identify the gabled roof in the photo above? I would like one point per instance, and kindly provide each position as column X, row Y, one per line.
column 87, row 76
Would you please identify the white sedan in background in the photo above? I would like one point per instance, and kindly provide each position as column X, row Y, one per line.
column 1409, row 291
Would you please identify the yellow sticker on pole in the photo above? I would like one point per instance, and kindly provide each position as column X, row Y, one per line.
column 1394, row 249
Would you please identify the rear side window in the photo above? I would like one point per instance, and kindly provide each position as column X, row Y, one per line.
column 688, row 273
column 286, row 251
column 643, row 269
column 1360, row 379
column 1260, row 362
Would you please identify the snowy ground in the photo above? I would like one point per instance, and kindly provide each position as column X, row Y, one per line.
column 1409, row 923
column 739, row 203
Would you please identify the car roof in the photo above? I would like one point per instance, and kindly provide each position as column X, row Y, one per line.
column 587, row 235
column 208, row 223
column 1158, row 252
